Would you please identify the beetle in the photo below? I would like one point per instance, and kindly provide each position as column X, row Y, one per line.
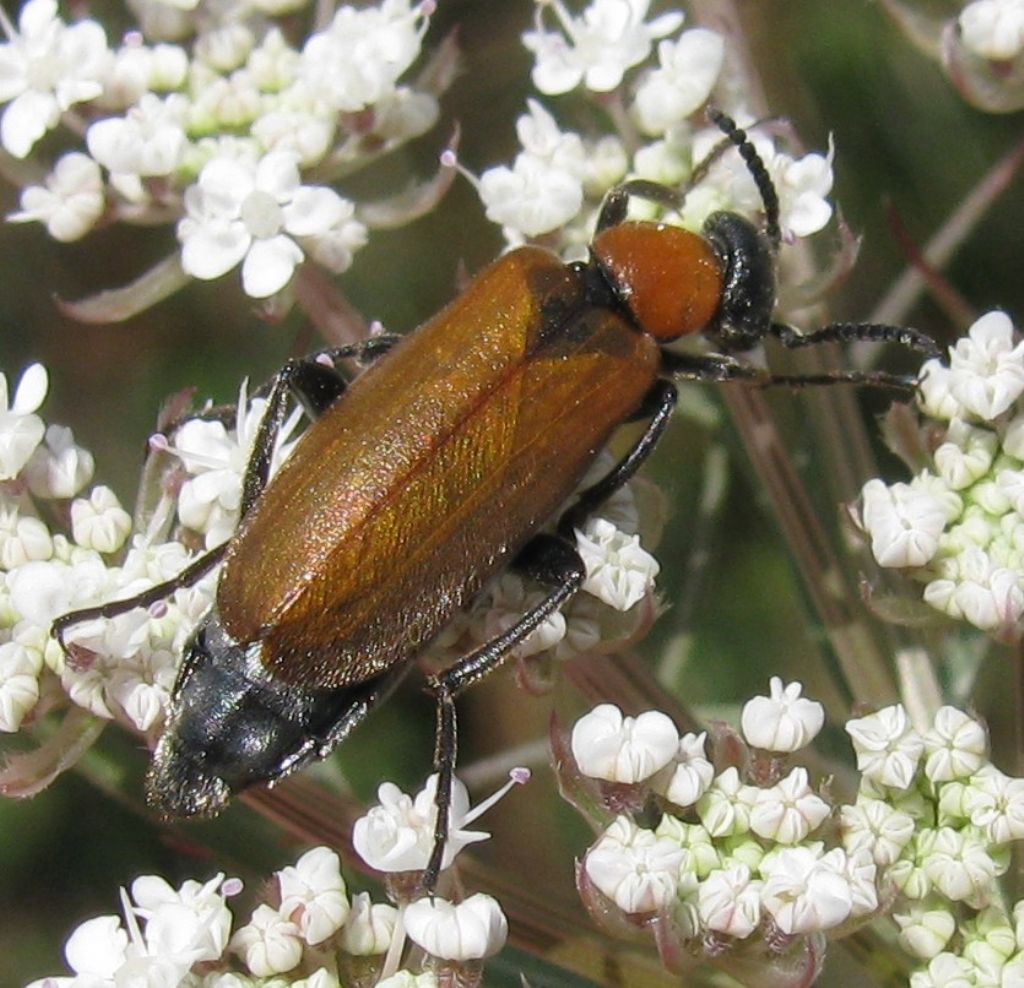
column 437, row 466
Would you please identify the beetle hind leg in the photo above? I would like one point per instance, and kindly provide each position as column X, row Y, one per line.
column 548, row 559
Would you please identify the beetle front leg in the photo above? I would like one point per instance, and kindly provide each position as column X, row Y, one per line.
column 657, row 408
column 316, row 386
column 549, row 560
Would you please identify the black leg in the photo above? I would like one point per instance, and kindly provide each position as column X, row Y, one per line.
column 616, row 202
column 719, row 368
column 315, row 386
column 549, row 560
column 189, row 575
column 858, row 332
column 657, row 407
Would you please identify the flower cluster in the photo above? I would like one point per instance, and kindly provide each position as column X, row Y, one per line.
column 553, row 189
column 937, row 818
column 211, row 117
column 724, row 860
column 308, row 932
column 65, row 545
column 958, row 526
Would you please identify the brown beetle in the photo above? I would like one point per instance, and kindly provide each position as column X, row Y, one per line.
column 436, row 467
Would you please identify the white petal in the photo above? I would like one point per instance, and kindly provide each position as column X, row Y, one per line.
column 26, row 119
column 313, row 211
column 269, row 265
column 213, row 249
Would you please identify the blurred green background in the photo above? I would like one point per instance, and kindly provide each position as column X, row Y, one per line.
column 843, row 69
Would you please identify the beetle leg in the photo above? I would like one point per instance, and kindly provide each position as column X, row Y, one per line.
column 189, row 575
column 616, row 202
column 548, row 559
column 719, row 368
column 657, row 408
column 862, row 332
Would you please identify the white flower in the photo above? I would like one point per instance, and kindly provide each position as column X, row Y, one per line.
column 21, row 430
column 725, row 808
column 356, row 61
column 217, row 459
column 789, row 810
column 803, row 185
column 45, row 68
column 398, row 834
column 369, row 927
column 540, row 136
column 904, row 523
column 182, row 928
column 141, row 684
column 966, row 455
column 945, row 971
column 633, row 867
column 59, row 468
column 955, row 747
column 19, row 685
column 692, row 773
column 96, row 948
column 993, row 801
column 313, row 894
column 876, row 826
column 729, row 901
column 532, row 197
column 471, row 930
column 619, row 571
column 41, row 591
column 687, row 72
column 986, row 594
column 608, row 746
column 255, row 214
column 783, row 721
column 70, row 202
column 598, row 47
column 888, row 748
column 993, row 29
column 99, row 522
column 269, row 944
column 988, row 370
column 224, row 47
column 925, row 929
column 961, row 867
column 23, row 539
column 304, row 134
column 935, row 391
column 149, row 140
column 861, row 872
column 191, row 923
column 805, row 891
column 136, row 68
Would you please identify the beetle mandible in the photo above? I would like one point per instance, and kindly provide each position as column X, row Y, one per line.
column 436, row 467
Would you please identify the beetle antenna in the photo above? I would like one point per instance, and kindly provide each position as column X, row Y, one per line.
column 738, row 137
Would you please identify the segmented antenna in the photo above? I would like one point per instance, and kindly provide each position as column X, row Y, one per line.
column 737, row 136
